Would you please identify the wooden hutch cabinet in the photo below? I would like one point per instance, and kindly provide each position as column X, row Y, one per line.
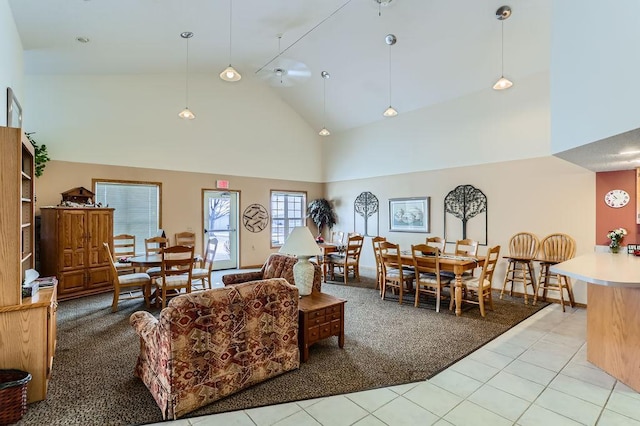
column 71, row 248
column 27, row 325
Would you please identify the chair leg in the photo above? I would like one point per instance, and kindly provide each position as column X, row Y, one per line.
column 490, row 299
column 346, row 273
column 116, row 295
column 569, row 291
column 146, row 291
column 401, row 290
column 416, row 303
column 437, row 298
column 481, row 302
column 506, row 279
column 559, row 280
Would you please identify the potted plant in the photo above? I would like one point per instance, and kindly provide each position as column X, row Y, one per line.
column 41, row 157
column 321, row 213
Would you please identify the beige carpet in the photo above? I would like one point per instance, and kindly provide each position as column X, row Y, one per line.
column 385, row 344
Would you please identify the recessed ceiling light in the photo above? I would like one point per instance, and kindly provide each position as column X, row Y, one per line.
column 82, row 39
column 630, row 152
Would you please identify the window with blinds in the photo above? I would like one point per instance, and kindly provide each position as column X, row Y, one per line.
column 288, row 210
column 137, row 208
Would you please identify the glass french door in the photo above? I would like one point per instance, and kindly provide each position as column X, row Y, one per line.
column 220, row 220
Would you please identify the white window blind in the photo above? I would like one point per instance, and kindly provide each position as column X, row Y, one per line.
column 137, row 208
column 287, row 212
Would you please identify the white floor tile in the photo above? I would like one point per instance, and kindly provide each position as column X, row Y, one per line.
column 625, row 405
column 370, row 420
column 499, row 402
column 234, row 418
column 569, row 406
column 538, row 416
column 402, row 389
column 611, row 418
column 456, row 383
column 309, row 402
column 505, row 348
column 545, row 359
column 336, row 410
column 433, row 398
column 531, row 372
column 442, row 422
column 626, row 390
column 590, row 375
column 522, row 388
column 373, row 399
column 474, row 369
column 580, row 389
column 401, row 412
column 268, row 415
column 468, row 413
column 180, row 422
column 491, row 358
column 301, row 418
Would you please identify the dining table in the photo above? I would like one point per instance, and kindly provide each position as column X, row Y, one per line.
column 451, row 263
column 327, row 249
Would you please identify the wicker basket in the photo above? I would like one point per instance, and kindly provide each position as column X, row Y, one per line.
column 13, row 395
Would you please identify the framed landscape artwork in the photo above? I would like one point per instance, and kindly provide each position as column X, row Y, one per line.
column 409, row 214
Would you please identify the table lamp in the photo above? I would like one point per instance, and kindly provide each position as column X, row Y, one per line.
column 302, row 244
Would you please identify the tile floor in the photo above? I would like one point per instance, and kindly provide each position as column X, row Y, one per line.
column 534, row 374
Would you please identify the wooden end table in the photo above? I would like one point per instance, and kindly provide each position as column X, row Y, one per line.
column 320, row 315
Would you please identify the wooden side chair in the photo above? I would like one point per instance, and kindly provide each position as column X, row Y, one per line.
column 426, row 263
column 375, row 241
column 466, row 247
column 523, row 249
column 185, row 239
column 555, row 248
column 137, row 284
column 124, row 246
column 203, row 275
column 337, row 237
column 349, row 260
column 437, row 242
column 477, row 290
column 153, row 246
column 175, row 273
column 394, row 275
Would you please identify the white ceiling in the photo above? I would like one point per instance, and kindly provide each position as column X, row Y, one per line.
column 446, row 49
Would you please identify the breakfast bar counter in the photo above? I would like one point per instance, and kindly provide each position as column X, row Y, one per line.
column 613, row 311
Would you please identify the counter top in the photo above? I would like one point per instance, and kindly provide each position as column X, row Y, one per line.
column 608, row 269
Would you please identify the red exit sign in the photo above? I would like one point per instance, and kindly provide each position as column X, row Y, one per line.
column 222, row 184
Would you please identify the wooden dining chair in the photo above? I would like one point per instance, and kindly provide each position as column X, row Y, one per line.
column 428, row 279
column 185, row 239
column 523, row 248
column 477, row 290
column 438, row 242
column 394, row 276
column 349, row 260
column 375, row 241
column 129, row 286
column 175, row 273
column 337, row 237
column 555, row 248
column 154, row 246
column 124, row 246
column 466, row 247
column 203, row 275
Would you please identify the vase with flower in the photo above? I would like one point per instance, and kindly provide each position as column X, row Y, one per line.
column 616, row 237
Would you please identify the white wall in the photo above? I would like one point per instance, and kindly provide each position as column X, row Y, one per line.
column 540, row 195
column 488, row 126
column 240, row 129
column 11, row 65
column 594, row 71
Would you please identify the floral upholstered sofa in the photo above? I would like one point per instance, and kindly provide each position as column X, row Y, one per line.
column 277, row 266
column 207, row 345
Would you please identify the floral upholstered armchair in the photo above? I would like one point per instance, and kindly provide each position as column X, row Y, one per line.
column 210, row 344
column 277, row 266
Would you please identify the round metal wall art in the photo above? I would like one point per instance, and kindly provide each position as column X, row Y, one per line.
column 255, row 218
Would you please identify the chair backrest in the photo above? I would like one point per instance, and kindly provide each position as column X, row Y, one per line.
column 390, row 256
column 375, row 241
column 337, row 237
column 354, row 246
column 466, row 247
column 112, row 265
column 177, row 260
column 558, row 247
column 124, row 245
column 210, row 253
column 489, row 264
column 437, row 242
column 524, row 244
column 185, row 239
column 426, row 259
column 154, row 245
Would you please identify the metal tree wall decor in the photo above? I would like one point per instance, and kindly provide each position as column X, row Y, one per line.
column 366, row 205
column 466, row 202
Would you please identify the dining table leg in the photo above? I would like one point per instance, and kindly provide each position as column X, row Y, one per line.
column 458, row 294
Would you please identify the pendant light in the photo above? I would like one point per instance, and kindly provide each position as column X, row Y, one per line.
column 230, row 74
column 502, row 14
column 325, row 76
column 186, row 113
column 390, row 39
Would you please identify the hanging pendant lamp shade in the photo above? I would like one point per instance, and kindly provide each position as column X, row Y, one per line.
column 186, row 113
column 502, row 14
column 230, row 73
column 325, row 76
column 390, row 39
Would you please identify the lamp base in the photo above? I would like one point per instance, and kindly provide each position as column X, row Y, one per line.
column 303, row 272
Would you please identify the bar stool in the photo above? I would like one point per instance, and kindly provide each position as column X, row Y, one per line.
column 555, row 248
column 523, row 248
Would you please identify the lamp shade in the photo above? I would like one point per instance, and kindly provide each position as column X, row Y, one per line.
column 230, row 74
column 301, row 243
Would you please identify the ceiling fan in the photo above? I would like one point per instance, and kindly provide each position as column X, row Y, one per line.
column 284, row 72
